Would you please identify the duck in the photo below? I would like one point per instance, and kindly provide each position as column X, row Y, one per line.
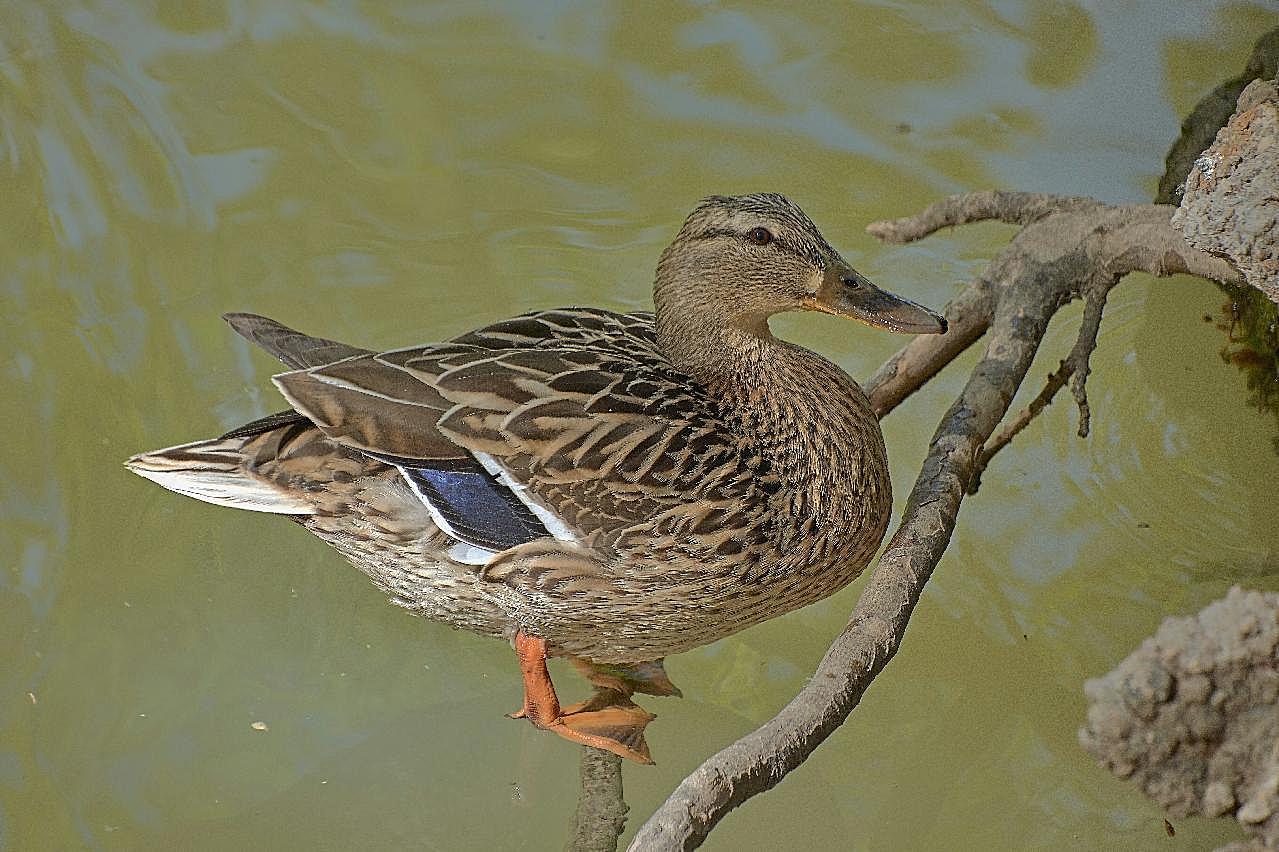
column 608, row 487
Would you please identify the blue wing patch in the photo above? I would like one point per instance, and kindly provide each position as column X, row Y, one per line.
column 478, row 509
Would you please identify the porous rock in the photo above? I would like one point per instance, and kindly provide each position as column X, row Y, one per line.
column 1230, row 206
column 1192, row 716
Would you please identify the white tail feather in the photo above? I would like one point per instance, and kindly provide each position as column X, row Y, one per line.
column 213, row 471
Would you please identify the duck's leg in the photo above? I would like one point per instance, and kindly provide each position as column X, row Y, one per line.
column 609, row 721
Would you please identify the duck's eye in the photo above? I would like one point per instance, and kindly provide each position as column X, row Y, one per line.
column 760, row 236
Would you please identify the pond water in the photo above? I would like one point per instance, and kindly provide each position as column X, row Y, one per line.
column 389, row 174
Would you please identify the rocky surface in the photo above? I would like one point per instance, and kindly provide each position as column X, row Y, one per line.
column 1230, row 206
column 1192, row 716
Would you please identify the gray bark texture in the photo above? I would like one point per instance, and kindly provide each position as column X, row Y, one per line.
column 1230, row 204
column 1068, row 248
column 601, row 811
column 1192, row 716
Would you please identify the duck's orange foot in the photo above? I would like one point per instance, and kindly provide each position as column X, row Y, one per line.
column 619, row 730
column 608, row 721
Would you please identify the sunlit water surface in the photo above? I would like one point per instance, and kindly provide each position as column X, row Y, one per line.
column 396, row 173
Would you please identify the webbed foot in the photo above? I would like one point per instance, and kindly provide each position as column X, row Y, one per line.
column 609, row 720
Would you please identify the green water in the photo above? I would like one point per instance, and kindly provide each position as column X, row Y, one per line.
column 389, row 174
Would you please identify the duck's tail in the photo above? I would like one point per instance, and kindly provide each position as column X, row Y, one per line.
column 219, row 472
column 225, row 471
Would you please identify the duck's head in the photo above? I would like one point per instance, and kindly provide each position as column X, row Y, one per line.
column 738, row 260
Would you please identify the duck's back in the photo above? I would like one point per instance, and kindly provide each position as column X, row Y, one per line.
column 532, row 471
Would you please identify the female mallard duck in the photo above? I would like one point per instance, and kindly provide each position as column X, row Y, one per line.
column 608, row 487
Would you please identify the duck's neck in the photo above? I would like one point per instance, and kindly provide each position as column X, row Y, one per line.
column 719, row 355
column 802, row 413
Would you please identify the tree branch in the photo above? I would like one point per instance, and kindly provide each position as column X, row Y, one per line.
column 1056, row 381
column 1085, row 343
column 1069, row 246
column 923, row 357
column 1015, row 208
column 601, row 810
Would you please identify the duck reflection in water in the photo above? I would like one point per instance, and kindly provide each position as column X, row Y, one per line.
column 608, row 487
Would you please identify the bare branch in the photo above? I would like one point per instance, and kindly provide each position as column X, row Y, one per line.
column 923, row 357
column 1083, row 247
column 1148, row 243
column 1075, row 365
column 1015, row 208
column 1124, row 239
column 601, row 811
column 1056, row 381
column 1085, row 343
column 1139, row 245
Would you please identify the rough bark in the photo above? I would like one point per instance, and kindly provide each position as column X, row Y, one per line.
column 1191, row 715
column 1230, row 205
column 1069, row 247
column 601, row 811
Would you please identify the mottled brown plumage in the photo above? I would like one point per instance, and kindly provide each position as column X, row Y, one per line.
column 668, row 479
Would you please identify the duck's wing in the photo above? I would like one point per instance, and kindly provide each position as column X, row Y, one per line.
column 629, row 335
column 572, row 416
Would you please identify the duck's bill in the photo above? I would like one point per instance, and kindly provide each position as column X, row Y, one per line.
column 847, row 293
